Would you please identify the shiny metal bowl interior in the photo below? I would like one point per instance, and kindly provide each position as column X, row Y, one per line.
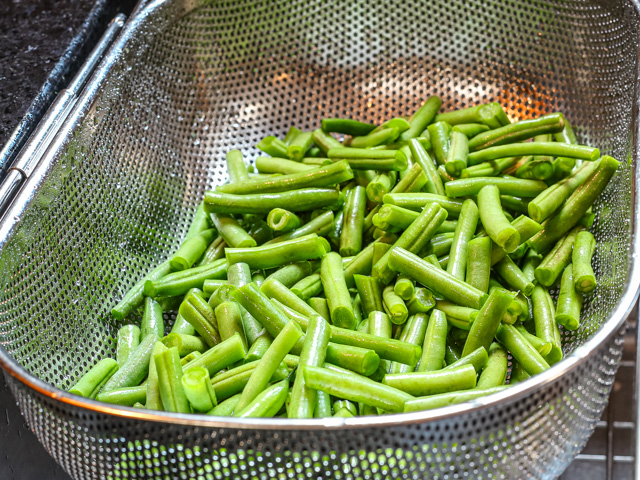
column 188, row 81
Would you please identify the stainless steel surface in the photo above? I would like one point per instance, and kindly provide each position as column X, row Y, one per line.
column 184, row 83
column 39, row 141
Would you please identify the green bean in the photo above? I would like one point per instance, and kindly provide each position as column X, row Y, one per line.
column 127, row 396
column 261, row 307
column 433, row 260
column 210, row 286
column 214, row 251
column 547, row 202
column 267, row 403
column 515, row 204
column 179, row 283
column 324, row 141
column 516, row 132
column 92, row 382
column 198, row 390
column 355, row 388
column 545, row 323
column 418, row 201
column 222, row 294
column 456, row 160
column 299, row 146
column 229, row 319
column 381, row 185
column 465, row 228
column 135, row 369
column 542, row 347
column 229, row 383
column 422, row 301
column 291, row 274
column 394, row 305
column 185, row 343
column 413, row 239
column 274, row 255
column 316, row 158
column 351, row 234
column 346, row 126
column 552, row 149
column 525, row 227
column 323, row 405
column 303, row 399
column 189, row 358
column 506, row 186
column 191, row 250
column 521, row 350
column 221, row 356
column 494, row 221
column 413, row 332
column 495, row 373
column 336, row 229
column 439, row 133
column 321, row 306
column 282, row 344
column 225, row 408
column 414, row 179
column 263, row 203
column 282, row 220
column 421, row 157
column 152, row 322
column 421, row 118
column 452, row 354
column 356, row 359
column 199, row 313
column 457, row 316
column 557, row 259
column 433, row 349
column 308, row 287
column 372, row 161
column 584, row 278
column 319, row 225
column 273, row 146
column 404, row 287
column 335, row 288
column 433, row 382
column 153, row 400
column 490, row 114
column 199, row 223
column 487, row 321
column 447, row 399
column 437, row 280
column 379, row 136
column 479, row 263
column 478, row 358
column 292, row 133
column 569, row 302
column 170, row 381
column 491, row 168
column 345, row 408
column 258, row 347
column 470, row 129
column 281, row 165
column 575, row 207
column 135, row 296
column 379, row 250
column 513, row 276
column 370, row 293
column 128, row 340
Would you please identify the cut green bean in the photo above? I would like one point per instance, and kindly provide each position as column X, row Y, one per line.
column 170, row 381
column 557, row 259
column 370, row 294
column 479, row 263
column 418, row 201
column 128, row 340
column 309, row 286
column 575, row 207
column 273, row 146
column 513, row 276
column 491, row 168
column 267, row 403
column 258, row 348
column 282, row 220
column 191, row 250
column 490, row 114
column 506, row 185
column 354, row 210
column 434, row 347
column 487, row 321
column 299, row 146
column 439, row 133
column 545, row 323
column 321, row 306
column 375, row 137
column 525, row 227
column 282, row 345
column 421, row 158
column 478, row 358
column 127, row 396
column 422, row 301
column 551, row 149
column 457, row 316
column 404, row 287
column 153, row 400
column 185, row 343
column 542, row 347
column 433, row 382
column 229, row 383
column 494, row 221
column 421, row 118
column 465, row 229
column 262, row 203
column 198, row 390
column 470, row 129
column 381, row 185
column 346, row 126
column 152, row 322
column 355, row 388
column 319, row 225
column 179, row 283
column 324, row 141
column 456, row 160
column 221, row 356
column 281, row 165
column 439, row 281
column 92, row 382
column 225, row 408
column 521, row 350
column 135, row 369
column 335, row 288
column 222, row 294
column 495, row 373
column 199, row 313
column 584, row 278
column 447, row 399
column 394, row 305
column 229, row 319
column 135, row 296
column 291, row 274
column 268, row 256
column 569, row 301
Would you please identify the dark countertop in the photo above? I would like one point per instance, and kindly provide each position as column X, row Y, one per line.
column 34, row 36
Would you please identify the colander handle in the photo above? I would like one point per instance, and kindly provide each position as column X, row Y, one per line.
column 39, row 141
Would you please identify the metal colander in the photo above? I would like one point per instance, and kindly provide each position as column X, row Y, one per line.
column 185, row 82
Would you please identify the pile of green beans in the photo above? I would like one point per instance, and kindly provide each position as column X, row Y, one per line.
column 391, row 268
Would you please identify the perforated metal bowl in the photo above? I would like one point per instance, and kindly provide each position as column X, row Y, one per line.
column 184, row 83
